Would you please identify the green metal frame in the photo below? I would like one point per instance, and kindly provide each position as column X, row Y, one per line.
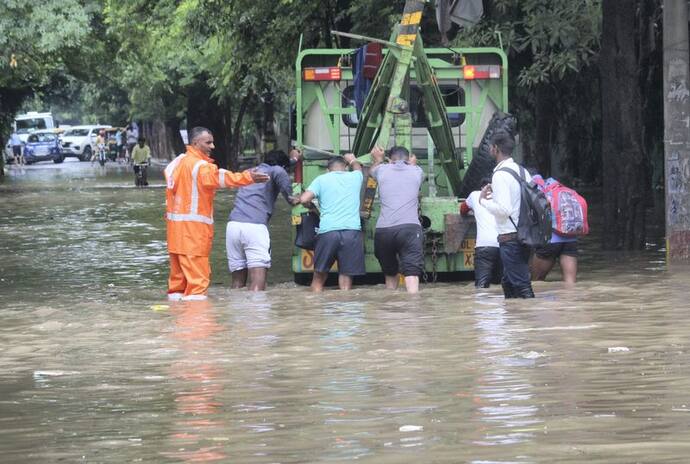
column 445, row 163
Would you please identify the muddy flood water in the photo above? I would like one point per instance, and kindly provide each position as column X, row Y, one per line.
column 96, row 366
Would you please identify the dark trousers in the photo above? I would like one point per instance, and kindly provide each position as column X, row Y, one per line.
column 487, row 266
column 516, row 276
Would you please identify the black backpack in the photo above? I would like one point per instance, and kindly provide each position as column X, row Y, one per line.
column 534, row 225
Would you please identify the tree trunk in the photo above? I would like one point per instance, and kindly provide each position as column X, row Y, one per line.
column 546, row 124
column 624, row 160
column 236, row 142
column 163, row 137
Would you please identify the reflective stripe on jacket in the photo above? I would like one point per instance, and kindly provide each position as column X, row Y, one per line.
column 192, row 180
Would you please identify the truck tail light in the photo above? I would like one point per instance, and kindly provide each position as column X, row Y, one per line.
column 333, row 73
column 472, row 72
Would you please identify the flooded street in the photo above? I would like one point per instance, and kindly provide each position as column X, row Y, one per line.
column 96, row 366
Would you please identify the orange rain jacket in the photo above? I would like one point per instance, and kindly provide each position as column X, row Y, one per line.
column 192, row 180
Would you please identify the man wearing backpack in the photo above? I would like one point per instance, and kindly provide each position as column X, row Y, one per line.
column 502, row 198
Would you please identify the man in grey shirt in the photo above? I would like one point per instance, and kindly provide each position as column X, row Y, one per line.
column 247, row 239
column 398, row 242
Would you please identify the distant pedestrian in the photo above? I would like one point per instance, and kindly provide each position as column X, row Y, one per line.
column 132, row 135
column 502, row 199
column 16, row 143
column 248, row 242
column 340, row 230
column 488, row 268
column 398, row 241
column 141, row 159
column 119, row 144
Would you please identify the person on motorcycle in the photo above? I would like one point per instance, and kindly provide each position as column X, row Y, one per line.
column 141, row 159
column 99, row 152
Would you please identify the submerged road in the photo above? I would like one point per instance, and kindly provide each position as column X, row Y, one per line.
column 95, row 365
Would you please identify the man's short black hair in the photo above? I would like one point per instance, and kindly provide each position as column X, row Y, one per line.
column 485, row 181
column 277, row 158
column 196, row 132
column 398, row 153
column 503, row 141
column 141, row 139
column 336, row 160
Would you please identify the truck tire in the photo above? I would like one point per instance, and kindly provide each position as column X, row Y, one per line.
column 482, row 163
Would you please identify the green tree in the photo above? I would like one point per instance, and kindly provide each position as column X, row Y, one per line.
column 37, row 38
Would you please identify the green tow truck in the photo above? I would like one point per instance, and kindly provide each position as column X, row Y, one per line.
column 436, row 102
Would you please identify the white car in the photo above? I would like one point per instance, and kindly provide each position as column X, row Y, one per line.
column 79, row 141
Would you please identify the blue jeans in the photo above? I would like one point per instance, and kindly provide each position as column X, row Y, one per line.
column 516, row 276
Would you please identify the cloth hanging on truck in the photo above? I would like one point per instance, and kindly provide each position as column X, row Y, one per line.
column 367, row 62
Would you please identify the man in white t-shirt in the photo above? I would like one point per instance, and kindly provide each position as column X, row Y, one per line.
column 488, row 268
column 502, row 199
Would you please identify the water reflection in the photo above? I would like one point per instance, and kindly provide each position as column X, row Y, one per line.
column 198, row 419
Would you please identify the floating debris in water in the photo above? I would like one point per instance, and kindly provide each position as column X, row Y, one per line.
column 411, row 428
column 618, row 349
column 160, row 307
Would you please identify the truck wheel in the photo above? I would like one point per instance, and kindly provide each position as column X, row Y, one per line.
column 482, row 163
column 86, row 156
column 303, row 278
column 59, row 159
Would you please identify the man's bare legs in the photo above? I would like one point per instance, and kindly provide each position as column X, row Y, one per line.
column 318, row 281
column 541, row 267
column 257, row 279
column 569, row 269
column 412, row 284
column 239, row 279
column 392, row 282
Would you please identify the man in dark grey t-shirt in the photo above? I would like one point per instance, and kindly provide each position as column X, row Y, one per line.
column 398, row 242
column 247, row 240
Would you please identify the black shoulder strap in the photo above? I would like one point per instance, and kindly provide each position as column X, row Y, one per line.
column 514, row 174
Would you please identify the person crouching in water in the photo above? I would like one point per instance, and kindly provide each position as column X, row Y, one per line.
column 488, row 268
column 141, row 158
column 247, row 241
column 192, row 180
column 399, row 242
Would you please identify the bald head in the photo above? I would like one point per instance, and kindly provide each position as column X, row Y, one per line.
column 201, row 138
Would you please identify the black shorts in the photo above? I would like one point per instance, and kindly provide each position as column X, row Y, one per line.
column 345, row 246
column 400, row 249
column 555, row 250
column 17, row 150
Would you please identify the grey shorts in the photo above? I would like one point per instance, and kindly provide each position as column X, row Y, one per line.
column 344, row 246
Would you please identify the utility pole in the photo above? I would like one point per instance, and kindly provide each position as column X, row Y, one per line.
column 677, row 130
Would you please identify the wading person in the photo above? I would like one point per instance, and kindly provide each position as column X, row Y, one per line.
column 502, row 199
column 398, row 242
column 192, row 180
column 340, row 230
column 16, row 143
column 248, row 243
column 488, row 268
column 141, row 158
column 569, row 221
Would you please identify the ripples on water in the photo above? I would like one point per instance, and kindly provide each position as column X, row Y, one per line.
column 96, row 367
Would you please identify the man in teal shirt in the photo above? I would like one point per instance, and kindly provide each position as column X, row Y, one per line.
column 340, row 228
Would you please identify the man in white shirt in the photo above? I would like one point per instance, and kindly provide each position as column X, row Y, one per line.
column 502, row 199
column 487, row 259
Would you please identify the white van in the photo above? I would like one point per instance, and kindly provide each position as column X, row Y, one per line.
column 25, row 124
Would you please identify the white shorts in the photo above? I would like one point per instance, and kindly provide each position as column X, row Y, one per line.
column 248, row 246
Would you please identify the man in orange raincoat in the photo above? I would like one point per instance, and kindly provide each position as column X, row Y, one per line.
column 192, row 180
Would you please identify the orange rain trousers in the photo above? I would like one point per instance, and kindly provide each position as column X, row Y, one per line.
column 189, row 275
